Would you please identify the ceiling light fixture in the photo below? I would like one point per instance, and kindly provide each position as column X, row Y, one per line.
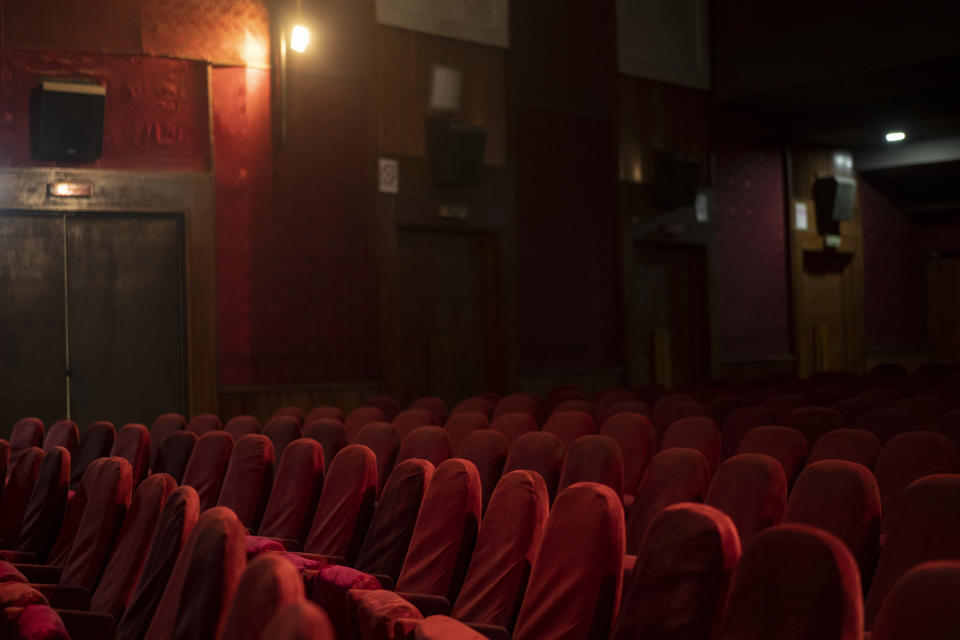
column 299, row 38
column 896, row 136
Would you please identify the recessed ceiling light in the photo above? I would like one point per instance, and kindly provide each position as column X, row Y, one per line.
column 896, row 136
column 299, row 39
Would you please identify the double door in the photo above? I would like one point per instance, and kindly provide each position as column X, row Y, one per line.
column 91, row 316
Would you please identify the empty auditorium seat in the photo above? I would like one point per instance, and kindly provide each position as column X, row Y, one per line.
column 289, row 411
column 671, row 398
column 133, row 445
column 427, row 443
column 635, row 436
column 820, row 396
column 679, row 582
column 96, row 442
column 697, row 433
column 721, row 407
column 907, row 457
column 841, row 498
column 593, row 458
column 541, row 452
column 324, row 412
column 239, row 426
column 666, row 414
column 884, row 397
column 460, row 425
column 925, row 411
column 26, row 433
column 794, row 581
column 46, row 506
column 949, row 425
column 674, row 475
column 62, row 433
column 519, row 403
column 607, row 400
column 853, row 408
column 345, row 505
column 162, row 426
column 388, row 406
column 204, row 423
column 382, row 439
column 330, row 433
column 922, row 604
column 472, row 405
column 740, row 422
column 629, row 406
column 854, row 445
column 436, row 406
column 296, row 490
column 784, row 403
column 813, row 422
column 282, row 430
column 207, row 466
column 173, row 454
column 487, row 450
column 407, row 421
column 21, row 480
column 924, row 528
column 886, row 423
column 569, row 426
column 514, row 425
column 751, row 488
column 786, row 445
column 249, row 476
column 574, row 405
column 361, row 417
column 270, row 582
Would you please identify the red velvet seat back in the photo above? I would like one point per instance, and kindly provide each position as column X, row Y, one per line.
column 26, row 433
column 679, row 583
column 922, row 604
column 593, row 458
column 794, row 581
column 507, row 544
column 239, row 426
column 391, row 528
column 289, row 411
column 605, row 400
column 38, row 622
column 821, row 396
column 269, row 583
column 697, row 433
column 514, row 425
column 96, row 441
column 569, row 426
column 249, row 477
column 813, row 422
column 359, row 418
column 907, row 457
column 519, row 403
column 671, row 398
column 173, row 527
column 174, row 453
column 4, row 462
column 436, row 406
column 949, row 425
column 472, row 405
column 406, row 421
column 630, row 406
column 208, row 465
column 382, row 439
column 62, row 433
column 751, row 488
column 133, row 445
column 445, row 533
column 296, row 490
column 541, row 452
column 574, row 587
column 109, row 486
column 740, row 422
column 885, row 397
column 204, row 423
column 163, row 426
column 282, row 430
column 666, row 414
column 925, row 411
column 635, row 436
column 203, row 582
column 886, row 423
column 678, row 474
column 460, row 425
column 487, row 450
column 130, row 550
column 575, row 405
column 853, row 408
column 47, row 504
column 427, row 443
column 324, row 412
column 345, row 505
column 388, row 405
column 721, row 407
column 841, row 498
column 301, row 620
column 853, row 445
column 786, row 445
column 330, row 433
column 16, row 494
column 783, row 403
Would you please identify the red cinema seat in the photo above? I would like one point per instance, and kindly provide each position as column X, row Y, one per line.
column 922, row 604
column 324, row 412
column 16, row 494
column 96, row 441
column 680, row 579
column 671, row 398
column 885, row 397
column 631, row 406
column 330, row 433
column 593, row 458
column 574, row 405
column 47, row 505
column 514, row 425
column 359, row 418
column 62, row 433
column 174, row 453
column 269, row 583
column 426, row 443
column 853, row 445
column 925, row 411
column 133, row 445
column 436, row 406
column 204, row 423
column 207, row 466
column 388, row 406
column 751, row 488
column 666, row 414
column 674, row 475
column 949, row 425
column 4, row 461
column 519, row 403
column 635, row 436
column 570, row 426
column 282, row 430
column 821, row 396
column 248, row 479
column 239, row 426
column 841, row 498
column 794, row 581
column 289, row 411
column 541, row 452
column 853, row 408
column 786, row 445
column 460, row 425
column 26, row 433
column 697, row 433
column 163, row 426
column 406, row 421
column 721, row 407
column 487, row 450
column 301, row 620
column 296, row 490
column 740, row 422
column 783, row 403
column 382, row 439
column 886, row 423
column 483, row 406
column 607, row 400
column 814, row 422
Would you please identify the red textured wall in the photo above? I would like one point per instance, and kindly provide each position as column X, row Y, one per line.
column 894, row 279
column 155, row 115
column 752, row 268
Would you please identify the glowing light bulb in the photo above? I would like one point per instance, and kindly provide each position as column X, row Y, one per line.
column 299, row 39
column 896, row 136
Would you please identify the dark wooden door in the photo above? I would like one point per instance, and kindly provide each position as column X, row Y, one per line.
column 670, row 314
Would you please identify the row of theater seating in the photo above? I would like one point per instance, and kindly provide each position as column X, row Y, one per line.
column 588, row 457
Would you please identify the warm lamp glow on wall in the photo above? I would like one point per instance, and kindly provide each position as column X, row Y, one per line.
column 299, row 38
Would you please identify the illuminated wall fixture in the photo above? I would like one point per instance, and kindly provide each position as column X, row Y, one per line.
column 299, row 38
column 896, row 136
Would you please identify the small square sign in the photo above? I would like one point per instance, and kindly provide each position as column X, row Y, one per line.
column 800, row 216
column 389, row 176
column 702, row 208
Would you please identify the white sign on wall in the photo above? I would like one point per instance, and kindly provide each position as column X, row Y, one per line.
column 389, row 176
column 483, row 21
column 664, row 40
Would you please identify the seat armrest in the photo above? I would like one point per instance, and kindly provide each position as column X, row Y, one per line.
column 386, row 582
column 428, row 605
column 22, row 557
column 88, row 625
column 491, row 631
column 320, row 557
column 40, row 573
column 65, row 596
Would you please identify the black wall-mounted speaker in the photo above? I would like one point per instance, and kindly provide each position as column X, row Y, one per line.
column 834, row 197
column 68, row 121
column 676, row 180
column 455, row 152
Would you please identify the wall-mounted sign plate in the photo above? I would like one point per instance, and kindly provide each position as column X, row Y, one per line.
column 70, row 189
column 389, row 176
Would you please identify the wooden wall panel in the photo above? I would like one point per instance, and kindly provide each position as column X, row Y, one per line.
column 404, row 63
